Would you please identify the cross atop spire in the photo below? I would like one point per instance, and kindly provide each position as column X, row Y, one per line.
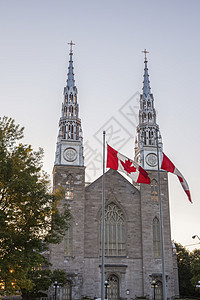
column 71, row 45
column 70, row 79
column 145, row 54
column 146, row 83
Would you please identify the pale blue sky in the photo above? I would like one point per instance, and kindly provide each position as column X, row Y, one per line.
column 109, row 37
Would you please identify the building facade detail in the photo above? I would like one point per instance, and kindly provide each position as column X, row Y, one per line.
column 132, row 220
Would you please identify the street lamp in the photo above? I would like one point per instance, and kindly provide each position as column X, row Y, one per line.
column 55, row 286
column 154, row 286
column 106, row 284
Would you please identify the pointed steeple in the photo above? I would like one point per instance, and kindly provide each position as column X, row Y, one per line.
column 146, row 83
column 147, row 128
column 69, row 145
column 70, row 78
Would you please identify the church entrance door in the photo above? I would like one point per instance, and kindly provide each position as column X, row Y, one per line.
column 113, row 287
column 158, row 291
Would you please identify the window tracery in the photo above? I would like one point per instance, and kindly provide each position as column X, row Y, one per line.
column 114, row 231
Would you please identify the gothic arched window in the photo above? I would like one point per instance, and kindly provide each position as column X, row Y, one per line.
column 154, row 190
column 151, row 137
column 68, row 241
column 156, row 238
column 145, row 138
column 67, row 291
column 71, row 111
column 71, row 98
column 143, row 117
column 69, row 193
column 63, row 131
column 115, row 244
column 150, row 116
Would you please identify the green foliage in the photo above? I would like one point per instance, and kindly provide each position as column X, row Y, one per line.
column 195, row 267
column 189, row 271
column 184, row 271
column 29, row 215
column 42, row 279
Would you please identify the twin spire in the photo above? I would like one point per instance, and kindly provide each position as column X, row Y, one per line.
column 70, row 130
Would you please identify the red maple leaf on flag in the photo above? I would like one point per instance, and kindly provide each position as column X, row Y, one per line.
column 127, row 166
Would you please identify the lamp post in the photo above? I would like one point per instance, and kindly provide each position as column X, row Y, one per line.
column 55, row 286
column 154, row 286
column 106, row 284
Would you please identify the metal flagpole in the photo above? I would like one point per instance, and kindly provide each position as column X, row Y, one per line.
column 161, row 224
column 103, row 223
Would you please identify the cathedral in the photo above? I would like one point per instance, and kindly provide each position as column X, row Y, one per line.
column 133, row 264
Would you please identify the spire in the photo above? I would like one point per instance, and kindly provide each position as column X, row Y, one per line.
column 70, row 78
column 146, row 82
column 147, row 128
column 69, row 149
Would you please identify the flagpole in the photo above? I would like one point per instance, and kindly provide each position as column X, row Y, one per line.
column 161, row 225
column 103, row 223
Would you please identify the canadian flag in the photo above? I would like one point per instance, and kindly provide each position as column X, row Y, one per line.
column 117, row 161
column 167, row 165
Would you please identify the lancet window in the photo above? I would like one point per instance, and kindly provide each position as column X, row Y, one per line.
column 154, row 190
column 114, row 231
column 143, row 117
column 71, row 131
column 145, row 137
column 150, row 116
column 151, row 142
column 156, row 238
column 63, row 131
column 71, row 98
column 69, row 194
column 71, row 110
column 68, row 241
column 144, row 104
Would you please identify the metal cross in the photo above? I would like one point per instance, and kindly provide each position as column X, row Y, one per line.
column 145, row 54
column 71, row 44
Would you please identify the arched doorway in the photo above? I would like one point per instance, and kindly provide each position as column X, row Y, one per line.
column 67, row 291
column 158, row 291
column 113, row 287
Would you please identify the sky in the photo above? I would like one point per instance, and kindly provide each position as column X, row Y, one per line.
column 109, row 66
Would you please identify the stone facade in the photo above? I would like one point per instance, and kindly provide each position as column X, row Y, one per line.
column 138, row 267
column 132, row 223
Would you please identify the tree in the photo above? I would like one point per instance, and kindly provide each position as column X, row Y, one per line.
column 42, row 280
column 195, row 267
column 184, row 271
column 188, row 270
column 29, row 214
